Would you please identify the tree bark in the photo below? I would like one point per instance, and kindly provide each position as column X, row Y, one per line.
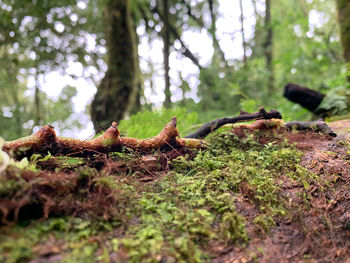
column 344, row 22
column 166, row 53
column 117, row 93
column 268, row 47
column 315, row 126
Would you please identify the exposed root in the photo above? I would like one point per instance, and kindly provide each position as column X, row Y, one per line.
column 45, row 140
column 167, row 137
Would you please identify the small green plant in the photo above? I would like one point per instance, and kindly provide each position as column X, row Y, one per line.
column 146, row 124
column 337, row 101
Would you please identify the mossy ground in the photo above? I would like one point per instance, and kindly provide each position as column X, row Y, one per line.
column 252, row 195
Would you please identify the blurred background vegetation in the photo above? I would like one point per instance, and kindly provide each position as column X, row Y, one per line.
column 200, row 59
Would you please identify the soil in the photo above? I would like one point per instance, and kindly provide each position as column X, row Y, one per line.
column 319, row 232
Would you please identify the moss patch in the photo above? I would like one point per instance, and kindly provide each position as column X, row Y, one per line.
column 191, row 204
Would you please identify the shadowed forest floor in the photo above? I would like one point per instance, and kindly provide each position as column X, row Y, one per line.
column 253, row 196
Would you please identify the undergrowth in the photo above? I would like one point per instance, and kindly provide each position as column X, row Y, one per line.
column 194, row 202
column 146, row 124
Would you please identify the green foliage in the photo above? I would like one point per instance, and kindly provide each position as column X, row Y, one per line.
column 32, row 45
column 147, row 124
column 35, row 40
column 337, row 101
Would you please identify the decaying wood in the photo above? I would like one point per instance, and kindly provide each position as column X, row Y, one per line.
column 316, row 126
column 46, row 140
column 211, row 126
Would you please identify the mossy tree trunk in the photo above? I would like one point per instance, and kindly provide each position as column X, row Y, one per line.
column 117, row 94
column 344, row 22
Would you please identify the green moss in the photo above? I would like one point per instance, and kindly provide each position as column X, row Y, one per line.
column 106, row 181
column 177, row 217
column 69, row 162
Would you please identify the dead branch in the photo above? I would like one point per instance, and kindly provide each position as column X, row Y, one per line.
column 244, row 116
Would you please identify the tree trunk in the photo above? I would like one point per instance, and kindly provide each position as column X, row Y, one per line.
column 37, row 106
column 212, row 31
column 268, row 47
column 242, row 32
column 344, row 22
column 166, row 53
column 117, row 93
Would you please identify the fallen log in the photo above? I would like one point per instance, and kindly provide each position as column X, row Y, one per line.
column 307, row 98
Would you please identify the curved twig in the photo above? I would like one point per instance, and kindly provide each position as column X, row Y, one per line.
column 244, row 116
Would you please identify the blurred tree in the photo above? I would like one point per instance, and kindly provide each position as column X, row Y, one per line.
column 344, row 22
column 242, row 31
column 117, row 93
column 268, row 46
column 36, row 38
column 166, row 52
column 213, row 6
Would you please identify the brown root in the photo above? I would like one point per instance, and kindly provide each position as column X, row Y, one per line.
column 167, row 137
column 45, row 140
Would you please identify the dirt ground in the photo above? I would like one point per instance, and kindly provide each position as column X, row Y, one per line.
column 321, row 231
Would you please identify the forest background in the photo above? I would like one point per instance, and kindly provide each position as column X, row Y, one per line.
column 80, row 64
